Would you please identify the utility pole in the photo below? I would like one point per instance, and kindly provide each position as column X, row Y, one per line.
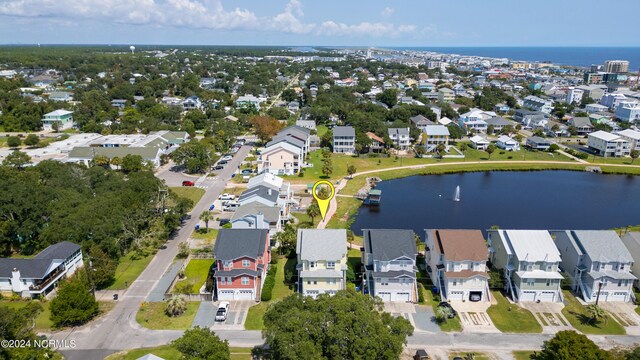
column 90, row 278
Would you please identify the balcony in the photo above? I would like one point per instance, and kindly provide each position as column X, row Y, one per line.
column 48, row 280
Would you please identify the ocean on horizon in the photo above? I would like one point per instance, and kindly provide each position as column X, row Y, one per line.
column 573, row 56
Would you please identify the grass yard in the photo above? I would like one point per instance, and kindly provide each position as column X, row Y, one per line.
column 321, row 130
column 475, row 155
column 152, row 316
column 128, row 269
column 579, row 318
column 523, row 355
column 476, row 355
column 209, row 236
column 511, row 318
column 449, row 325
column 281, row 290
column 189, row 192
column 43, row 321
column 196, row 274
column 304, row 220
column 347, row 210
column 169, row 352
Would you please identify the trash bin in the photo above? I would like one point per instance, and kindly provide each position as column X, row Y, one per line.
column 115, row 296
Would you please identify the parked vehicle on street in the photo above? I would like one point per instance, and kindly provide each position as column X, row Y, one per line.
column 188, row 183
column 218, row 167
column 223, row 310
column 230, row 206
column 226, row 196
column 227, row 158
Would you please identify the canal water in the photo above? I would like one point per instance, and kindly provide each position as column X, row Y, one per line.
column 515, row 200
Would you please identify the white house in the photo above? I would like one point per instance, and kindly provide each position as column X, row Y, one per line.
column 400, row 137
column 58, row 120
column 607, row 144
column 389, row 258
column 344, row 140
column 598, row 264
column 574, row 96
column 457, row 259
column 632, row 137
column 529, row 260
column 628, row 111
column 37, row 276
column 479, row 143
column 504, row 142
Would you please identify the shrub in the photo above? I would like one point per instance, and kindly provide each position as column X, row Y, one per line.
column 184, row 287
column 420, row 293
column 183, row 250
column 269, row 283
column 176, row 306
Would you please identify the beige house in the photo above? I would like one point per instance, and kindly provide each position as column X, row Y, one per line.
column 280, row 159
column 322, row 261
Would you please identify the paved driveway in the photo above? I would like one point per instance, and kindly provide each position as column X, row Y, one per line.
column 424, row 319
column 549, row 315
column 474, row 317
column 236, row 317
column 625, row 314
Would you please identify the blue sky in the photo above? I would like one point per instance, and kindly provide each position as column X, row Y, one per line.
column 325, row 22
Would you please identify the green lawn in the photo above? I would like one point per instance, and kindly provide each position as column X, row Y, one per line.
column 169, row 352
column 196, row 273
column 210, row 236
column 523, row 355
column 280, row 290
column 128, row 269
column 476, row 355
column 511, row 318
column 304, row 220
column 475, row 155
column 347, row 210
column 152, row 316
column 579, row 318
column 449, row 325
column 189, row 192
column 321, row 130
column 43, row 321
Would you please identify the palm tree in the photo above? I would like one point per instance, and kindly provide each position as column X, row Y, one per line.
column 443, row 313
column 206, row 216
column 596, row 313
column 116, row 161
column 176, row 305
column 313, row 211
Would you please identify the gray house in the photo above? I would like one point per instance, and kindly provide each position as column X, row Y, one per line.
column 529, row 260
column 389, row 258
column 632, row 241
column 598, row 264
column 344, row 140
column 538, row 143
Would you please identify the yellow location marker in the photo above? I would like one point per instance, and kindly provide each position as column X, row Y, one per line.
column 323, row 204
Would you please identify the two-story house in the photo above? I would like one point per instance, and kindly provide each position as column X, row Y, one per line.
column 400, row 137
column 282, row 157
column 344, row 140
column 377, row 143
column 242, row 260
column 421, row 122
column 458, row 262
column 607, row 144
column 58, row 120
column 322, row 261
column 529, row 260
column 37, row 276
column 435, row 135
column 598, row 264
column 389, row 258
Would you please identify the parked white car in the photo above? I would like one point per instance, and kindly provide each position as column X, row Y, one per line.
column 227, row 158
column 223, row 310
column 230, row 205
column 225, row 197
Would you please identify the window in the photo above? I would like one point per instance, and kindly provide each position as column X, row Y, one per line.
column 529, row 267
column 619, row 282
column 308, row 282
column 222, row 280
column 245, row 280
column 312, row 264
column 531, row 282
column 549, row 267
column 455, row 282
column 328, row 281
column 548, row 282
column 246, row 263
column 331, row 264
column 229, row 280
column 228, row 263
column 315, row 282
column 621, row 266
column 602, row 266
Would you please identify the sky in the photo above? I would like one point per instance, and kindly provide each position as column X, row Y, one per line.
column 321, row 22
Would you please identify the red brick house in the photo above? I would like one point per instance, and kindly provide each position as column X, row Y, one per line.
column 242, row 260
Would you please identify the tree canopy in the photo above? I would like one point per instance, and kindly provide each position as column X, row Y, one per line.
column 569, row 345
column 348, row 325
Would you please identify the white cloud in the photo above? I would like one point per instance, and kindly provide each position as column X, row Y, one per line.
column 388, row 11
column 196, row 14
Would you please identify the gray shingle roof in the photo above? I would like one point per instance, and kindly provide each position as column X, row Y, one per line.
column 36, row 267
column 236, row 243
column 321, row 244
column 390, row 244
column 260, row 191
column 286, row 138
column 399, row 131
column 421, row 120
column 271, row 213
column 497, row 121
column 602, row 245
column 344, row 131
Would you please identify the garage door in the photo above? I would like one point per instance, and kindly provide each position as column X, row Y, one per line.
column 456, row 295
column 547, row 296
column 403, row 296
column 225, row 294
column 617, row 296
column 244, row 295
column 528, row 296
column 385, row 296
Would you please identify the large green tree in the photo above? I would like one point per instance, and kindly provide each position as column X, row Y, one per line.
column 569, row 345
column 202, row 344
column 75, row 303
column 348, row 325
column 17, row 324
column 195, row 156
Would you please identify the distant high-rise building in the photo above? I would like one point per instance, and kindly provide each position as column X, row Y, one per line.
column 616, row 66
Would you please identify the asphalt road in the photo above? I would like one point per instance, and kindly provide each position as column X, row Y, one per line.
column 118, row 329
